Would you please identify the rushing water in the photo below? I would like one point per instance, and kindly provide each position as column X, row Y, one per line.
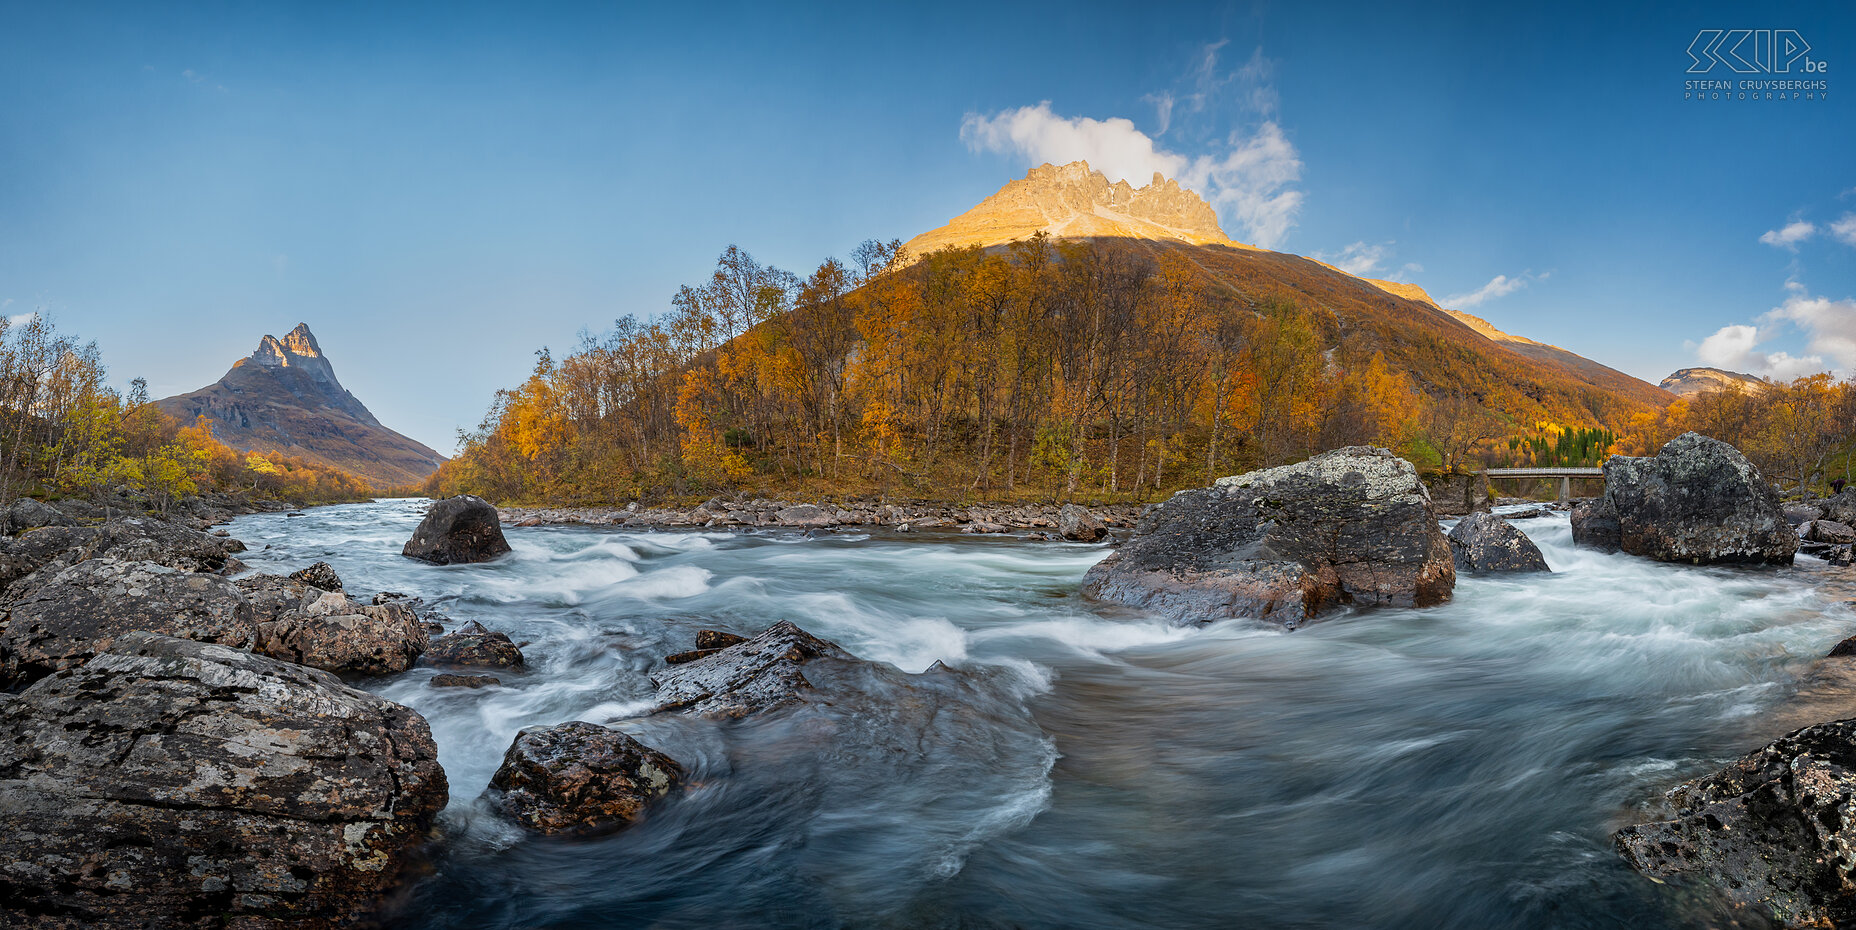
column 1460, row 766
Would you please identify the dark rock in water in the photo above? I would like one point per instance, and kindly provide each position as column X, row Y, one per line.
column 1844, row 648
column 1456, row 495
column 749, row 676
column 1076, row 523
column 76, row 612
column 1348, row 527
column 29, row 514
column 679, row 658
column 1772, row 831
column 448, row 680
column 1840, row 556
column 1799, row 514
column 474, row 646
column 458, row 530
column 131, row 540
column 1698, row 500
column 717, row 639
column 169, row 783
column 579, row 777
column 332, row 633
column 1828, row 531
column 320, row 575
column 1486, row 543
column 1595, row 525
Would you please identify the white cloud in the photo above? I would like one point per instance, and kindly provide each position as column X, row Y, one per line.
column 1829, row 327
column 1359, row 258
column 1499, row 286
column 1249, row 184
column 1845, row 229
column 1789, row 235
column 20, row 319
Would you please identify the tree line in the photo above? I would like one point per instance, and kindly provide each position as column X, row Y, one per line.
column 64, row 431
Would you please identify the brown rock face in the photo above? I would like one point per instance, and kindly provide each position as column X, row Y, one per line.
column 1075, row 201
column 1349, row 527
column 169, row 783
column 579, row 777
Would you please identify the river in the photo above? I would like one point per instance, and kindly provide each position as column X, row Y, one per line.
column 1458, row 766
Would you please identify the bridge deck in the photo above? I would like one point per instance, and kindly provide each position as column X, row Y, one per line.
column 1544, row 472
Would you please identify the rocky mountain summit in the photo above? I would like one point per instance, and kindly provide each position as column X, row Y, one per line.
column 1691, row 381
column 1075, row 201
column 285, row 397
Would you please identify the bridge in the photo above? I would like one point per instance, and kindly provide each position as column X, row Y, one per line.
column 1564, row 474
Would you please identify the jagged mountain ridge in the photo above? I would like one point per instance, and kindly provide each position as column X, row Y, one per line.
column 1076, row 202
column 285, row 397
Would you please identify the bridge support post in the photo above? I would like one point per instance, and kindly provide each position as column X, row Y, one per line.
column 1565, row 489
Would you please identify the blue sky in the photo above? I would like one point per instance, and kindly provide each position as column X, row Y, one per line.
column 440, row 189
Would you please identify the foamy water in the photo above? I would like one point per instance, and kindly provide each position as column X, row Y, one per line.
column 1461, row 766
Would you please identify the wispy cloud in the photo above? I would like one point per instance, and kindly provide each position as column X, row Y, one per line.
column 1248, row 175
column 1845, row 229
column 1499, row 286
column 1829, row 327
column 1360, row 258
column 1789, row 235
column 200, row 80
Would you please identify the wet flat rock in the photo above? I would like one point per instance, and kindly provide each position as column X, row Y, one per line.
column 579, row 777
column 169, row 783
column 1774, row 831
column 762, row 672
column 1348, row 527
column 134, row 539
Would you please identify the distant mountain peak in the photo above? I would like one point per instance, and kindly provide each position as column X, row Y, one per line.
column 1075, row 201
column 284, row 396
column 1688, row 382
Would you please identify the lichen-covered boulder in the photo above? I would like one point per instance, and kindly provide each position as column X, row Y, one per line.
column 136, row 539
column 1774, row 831
column 332, row 633
column 1484, row 543
column 170, row 783
column 1348, row 527
column 61, row 620
column 1698, row 500
column 458, row 530
column 579, row 777
column 27, row 514
column 473, row 646
column 319, row 575
column 1076, row 523
column 749, row 676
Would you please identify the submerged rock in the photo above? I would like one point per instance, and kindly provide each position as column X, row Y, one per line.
column 474, row 646
column 458, row 530
column 1486, row 543
column 579, row 777
column 61, row 620
column 1076, row 523
column 169, row 783
column 448, row 680
column 1698, row 500
column 1773, row 831
column 749, row 676
column 1348, row 527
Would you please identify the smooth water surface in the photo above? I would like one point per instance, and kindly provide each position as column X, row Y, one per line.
column 1460, row 766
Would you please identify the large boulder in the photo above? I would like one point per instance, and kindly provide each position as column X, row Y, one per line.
column 28, row 514
column 472, row 646
column 1348, row 527
column 1487, row 544
column 169, row 783
column 76, row 612
column 330, row 632
column 1698, row 500
column 136, row 539
column 1076, row 523
column 1453, row 495
column 458, row 530
column 752, row 675
column 579, row 777
column 1827, row 531
column 1773, row 831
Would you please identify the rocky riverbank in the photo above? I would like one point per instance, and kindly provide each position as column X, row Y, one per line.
column 909, row 516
